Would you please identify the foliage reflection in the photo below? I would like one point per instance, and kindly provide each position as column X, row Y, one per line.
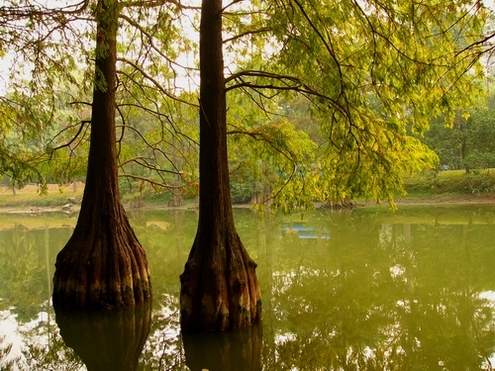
column 382, row 296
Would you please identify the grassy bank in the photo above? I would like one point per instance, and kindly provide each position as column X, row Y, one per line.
column 451, row 181
column 32, row 197
column 452, row 186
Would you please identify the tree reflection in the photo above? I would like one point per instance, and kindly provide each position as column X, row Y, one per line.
column 107, row 340
column 238, row 350
column 5, row 349
column 21, row 272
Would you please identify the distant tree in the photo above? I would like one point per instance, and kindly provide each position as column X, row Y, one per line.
column 448, row 142
column 480, row 139
column 466, row 144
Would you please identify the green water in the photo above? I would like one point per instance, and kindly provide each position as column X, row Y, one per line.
column 360, row 290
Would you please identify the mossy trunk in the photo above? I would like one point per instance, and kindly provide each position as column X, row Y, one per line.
column 103, row 263
column 219, row 288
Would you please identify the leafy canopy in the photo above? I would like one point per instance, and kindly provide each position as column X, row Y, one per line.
column 374, row 74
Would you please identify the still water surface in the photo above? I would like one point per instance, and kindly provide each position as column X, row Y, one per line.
column 360, row 290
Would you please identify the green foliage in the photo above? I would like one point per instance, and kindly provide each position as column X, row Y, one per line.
column 481, row 181
column 378, row 175
column 278, row 161
column 20, row 263
column 446, row 142
column 375, row 72
column 468, row 144
column 480, row 139
column 241, row 192
column 327, row 99
column 450, row 182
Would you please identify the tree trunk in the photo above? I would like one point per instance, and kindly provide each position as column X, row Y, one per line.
column 219, row 288
column 103, row 263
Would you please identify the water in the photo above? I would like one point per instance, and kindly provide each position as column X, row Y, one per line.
column 360, row 290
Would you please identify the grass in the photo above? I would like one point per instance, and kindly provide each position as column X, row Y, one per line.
column 451, row 182
column 31, row 196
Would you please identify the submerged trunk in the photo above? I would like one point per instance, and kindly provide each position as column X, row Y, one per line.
column 103, row 263
column 219, row 288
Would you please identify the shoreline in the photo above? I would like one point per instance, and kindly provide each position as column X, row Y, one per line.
column 438, row 199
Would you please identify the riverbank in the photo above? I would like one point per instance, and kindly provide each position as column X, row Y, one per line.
column 444, row 188
column 24, row 207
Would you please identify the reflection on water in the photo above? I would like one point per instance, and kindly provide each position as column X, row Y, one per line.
column 237, row 350
column 303, row 230
column 364, row 290
column 106, row 340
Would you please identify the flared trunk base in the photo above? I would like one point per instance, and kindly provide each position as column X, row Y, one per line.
column 219, row 288
column 101, row 268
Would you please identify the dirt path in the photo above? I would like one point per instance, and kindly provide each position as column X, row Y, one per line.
column 443, row 199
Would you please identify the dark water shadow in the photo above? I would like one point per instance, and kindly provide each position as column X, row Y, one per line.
column 238, row 350
column 106, row 340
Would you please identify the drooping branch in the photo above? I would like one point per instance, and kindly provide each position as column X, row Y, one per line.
column 176, row 132
column 153, row 80
column 246, row 33
column 150, row 42
column 157, row 3
column 38, row 10
column 152, row 164
column 72, row 140
column 285, row 82
column 154, row 147
column 259, row 135
column 154, row 184
column 485, row 41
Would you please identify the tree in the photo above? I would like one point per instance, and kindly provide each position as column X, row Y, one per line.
column 479, row 142
column 46, row 51
column 219, row 287
column 103, row 263
column 51, row 74
column 374, row 72
column 468, row 143
column 447, row 141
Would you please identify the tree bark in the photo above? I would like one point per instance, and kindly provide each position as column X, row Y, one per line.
column 103, row 263
column 219, row 288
